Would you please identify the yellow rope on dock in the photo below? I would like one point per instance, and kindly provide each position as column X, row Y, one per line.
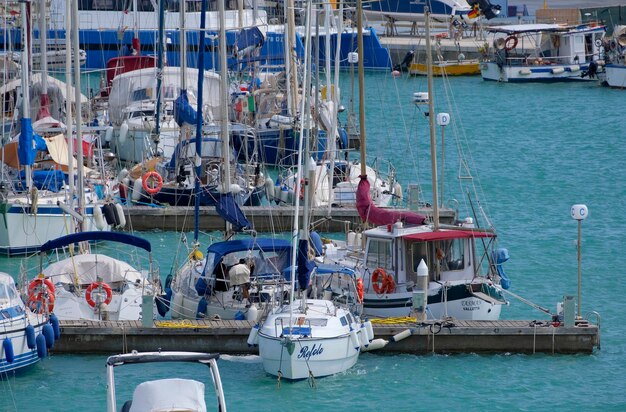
column 185, row 323
column 393, row 321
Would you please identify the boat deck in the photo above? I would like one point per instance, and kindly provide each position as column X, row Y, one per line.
column 230, row 336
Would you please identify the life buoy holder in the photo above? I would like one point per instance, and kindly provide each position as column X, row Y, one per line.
column 302, row 184
column 510, row 43
column 359, row 289
column 152, row 183
column 379, row 281
column 39, row 286
column 96, row 285
column 37, row 303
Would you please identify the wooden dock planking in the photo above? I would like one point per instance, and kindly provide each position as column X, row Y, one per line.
column 230, row 336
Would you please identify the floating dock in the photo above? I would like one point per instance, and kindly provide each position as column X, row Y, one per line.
column 230, row 336
column 263, row 218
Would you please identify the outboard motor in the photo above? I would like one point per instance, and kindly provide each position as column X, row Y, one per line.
column 500, row 256
column 592, row 72
column 406, row 62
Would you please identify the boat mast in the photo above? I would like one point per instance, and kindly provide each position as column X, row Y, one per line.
column 25, row 89
column 359, row 23
column 43, row 36
column 224, row 107
column 431, row 119
column 68, row 103
column 291, row 47
column 159, row 71
column 196, row 227
column 78, row 101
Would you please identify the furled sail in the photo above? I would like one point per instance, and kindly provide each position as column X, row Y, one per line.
column 377, row 216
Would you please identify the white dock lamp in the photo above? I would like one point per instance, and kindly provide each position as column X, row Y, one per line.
column 580, row 213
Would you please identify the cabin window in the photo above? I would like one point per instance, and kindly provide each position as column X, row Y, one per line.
column 142, row 94
column 417, row 252
column 451, row 254
column 379, row 254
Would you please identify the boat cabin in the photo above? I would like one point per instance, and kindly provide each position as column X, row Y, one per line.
column 449, row 253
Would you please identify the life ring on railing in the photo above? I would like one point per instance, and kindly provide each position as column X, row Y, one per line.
column 359, row 289
column 152, row 183
column 37, row 303
column 379, row 281
column 96, row 285
column 510, row 43
column 40, row 285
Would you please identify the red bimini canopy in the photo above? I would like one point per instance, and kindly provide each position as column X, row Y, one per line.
column 447, row 234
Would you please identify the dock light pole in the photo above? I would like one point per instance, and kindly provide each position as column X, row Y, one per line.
column 580, row 213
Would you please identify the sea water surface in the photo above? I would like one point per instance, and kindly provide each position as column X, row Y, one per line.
column 536, row 150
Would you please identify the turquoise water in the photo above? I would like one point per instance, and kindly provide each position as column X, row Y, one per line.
column 537, row 149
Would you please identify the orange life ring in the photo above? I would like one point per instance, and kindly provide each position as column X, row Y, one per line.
column 379, row 282
column 359, row 289
column 152, row 183
column 37, row 303
column 39, row 286
column 510, row 43
column 96, row 285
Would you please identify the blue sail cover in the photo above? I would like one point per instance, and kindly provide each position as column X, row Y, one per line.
column 229, row 210
column 28, row 143
column 305, row 266
column 183, row 112
column 247, row 41
column 96, row 235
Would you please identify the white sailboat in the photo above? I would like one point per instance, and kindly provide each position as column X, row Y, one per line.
column 309, row 336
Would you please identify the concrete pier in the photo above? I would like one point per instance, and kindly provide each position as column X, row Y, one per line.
column 230, row 336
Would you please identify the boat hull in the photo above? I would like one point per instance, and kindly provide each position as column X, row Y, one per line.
column 322, row 357
column 616, row 76
column 461, row 68
column 534, row 74
column 13, row 328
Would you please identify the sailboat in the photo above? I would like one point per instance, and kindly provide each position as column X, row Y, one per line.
column 35, row 202
column 317, row 332
column 202, row 287
column 82, row 284
column 461, row 275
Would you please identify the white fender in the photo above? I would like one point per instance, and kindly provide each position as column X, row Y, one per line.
column 235, row 189
column 370, row 330
column 120, row 215
column 252, row 314
column 122, row 174
column 375, row 344
column 397, row 190
column 99, row 218
column 137, row 190
column 269, row 188
column 253, row 337
column 123, row 133
column 402, row 335
column 363, row 337
column 176, row 305
column 108, row 135
column 355, row 339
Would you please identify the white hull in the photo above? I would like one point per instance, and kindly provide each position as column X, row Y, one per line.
column 399, row 305
column 22, row 231
column 13, row 329
column 323, row 340
column 616, row 75
column 125, row 306
column 322, row 357
column 522, row 74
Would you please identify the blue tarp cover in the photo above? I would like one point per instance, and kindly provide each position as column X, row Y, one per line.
column 229, row 210
column 26, row 149
column 183, row 112
column 52, row 180
column 96, row 235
